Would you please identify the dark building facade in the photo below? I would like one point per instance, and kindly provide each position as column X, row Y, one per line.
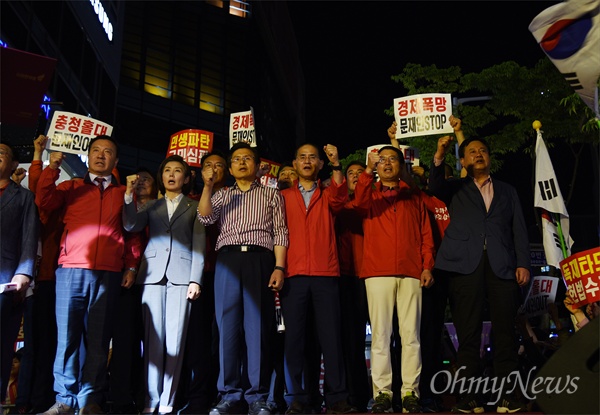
column 151, row 69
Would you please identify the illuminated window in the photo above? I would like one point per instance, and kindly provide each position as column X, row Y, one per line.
column 239, row 8
column 191, row 58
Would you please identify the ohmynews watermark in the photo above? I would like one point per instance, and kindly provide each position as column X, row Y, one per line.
column 505, row 385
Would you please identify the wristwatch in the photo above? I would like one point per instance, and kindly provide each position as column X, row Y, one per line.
column 132, row 269
column 282, row 269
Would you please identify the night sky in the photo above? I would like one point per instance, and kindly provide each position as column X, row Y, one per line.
column 350, row 49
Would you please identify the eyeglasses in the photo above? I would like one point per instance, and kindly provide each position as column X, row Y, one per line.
column 238, row 159
column 391, row 159
column 214, row 165
column 307, row 157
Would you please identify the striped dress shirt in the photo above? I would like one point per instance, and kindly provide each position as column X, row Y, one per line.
column 253, row 217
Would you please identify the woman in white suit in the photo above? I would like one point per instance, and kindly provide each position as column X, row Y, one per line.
column 170, row 275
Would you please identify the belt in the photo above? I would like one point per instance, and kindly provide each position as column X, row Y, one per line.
column 243, row 248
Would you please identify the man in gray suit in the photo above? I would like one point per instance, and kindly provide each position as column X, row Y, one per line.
column 18, row 247
column 485, row 250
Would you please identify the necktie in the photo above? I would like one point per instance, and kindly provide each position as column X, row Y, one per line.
column 100, row 181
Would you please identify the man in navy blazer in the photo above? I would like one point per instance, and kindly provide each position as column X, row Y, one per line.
column 485, row 251
column 18, row 248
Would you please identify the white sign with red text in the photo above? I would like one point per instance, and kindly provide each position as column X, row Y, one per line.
column 541, row 293
column 241, row 128
column 422, row 114
column 72, row 133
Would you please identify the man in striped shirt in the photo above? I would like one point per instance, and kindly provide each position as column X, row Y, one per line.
column 251, row 252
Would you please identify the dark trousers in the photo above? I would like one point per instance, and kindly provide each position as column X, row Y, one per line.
column 245, row 315
column 433, row 312
column 11, row 312
column 322, row 293
column 468, row 294
column 126, row 358
column 353, row 303
column 198, row 385
column 44, row 342
column 27, row 359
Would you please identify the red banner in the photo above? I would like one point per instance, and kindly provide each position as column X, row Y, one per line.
column 581, row 273
column 191, row 145
column 272, row 172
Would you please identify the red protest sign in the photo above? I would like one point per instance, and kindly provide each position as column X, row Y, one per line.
column 191, row 145
column 581, row 273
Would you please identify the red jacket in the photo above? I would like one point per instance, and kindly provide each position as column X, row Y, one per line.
column 398, row 238
column 51, row 230
column 93, row 236
column 312, row 249
column 349, row 234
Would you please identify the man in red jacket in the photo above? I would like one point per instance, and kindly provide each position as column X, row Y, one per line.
column 94, row 252
column 313, row 277
column 397, row 262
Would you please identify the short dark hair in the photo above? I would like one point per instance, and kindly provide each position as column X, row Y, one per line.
column 187, row 172
column 284, row 165
column 397, row 150
column 104, row 137
column 464, row 144
column 354, row 163
column 241, row 145
column 154, row 191
column 309, row 144
column 213, row 153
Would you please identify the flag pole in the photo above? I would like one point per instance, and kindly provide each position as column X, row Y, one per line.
column 537, row 125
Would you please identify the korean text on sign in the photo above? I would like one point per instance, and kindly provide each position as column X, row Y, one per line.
column 581, row 273
column 541, row 293
column 241, row 128
column 422, row 114
column 71, row 133
column 191, row 145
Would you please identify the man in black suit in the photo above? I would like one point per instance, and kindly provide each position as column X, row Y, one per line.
column 486, row 252
column 19, row 222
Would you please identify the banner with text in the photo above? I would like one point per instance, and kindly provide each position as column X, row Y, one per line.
column 241, row 128
column 191, row 145
column 71, row 133
column 271, row 169
column 423, row 114
column 541, row 293
column 581, row 272
column 411, row 154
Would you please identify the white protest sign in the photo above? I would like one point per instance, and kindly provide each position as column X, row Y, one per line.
column 411, row 154
column 241, row 128
column 541, row 293
column 423, row 114
column 72, row 133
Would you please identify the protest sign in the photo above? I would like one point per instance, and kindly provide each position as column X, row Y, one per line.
column 422, row 114
column 72, row 133
column 241, row 128
column 270, row 178
column 581, row 273
column 541, row 293
column 191, row 145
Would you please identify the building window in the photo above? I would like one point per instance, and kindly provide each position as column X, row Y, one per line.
column 239, row 8
column 187, row 57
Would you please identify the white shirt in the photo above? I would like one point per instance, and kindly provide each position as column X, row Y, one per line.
column 172, row 204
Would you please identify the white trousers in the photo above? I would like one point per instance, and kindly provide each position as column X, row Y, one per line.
column 383, row 294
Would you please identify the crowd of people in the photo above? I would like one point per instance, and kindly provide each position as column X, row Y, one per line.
column 151, row 297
